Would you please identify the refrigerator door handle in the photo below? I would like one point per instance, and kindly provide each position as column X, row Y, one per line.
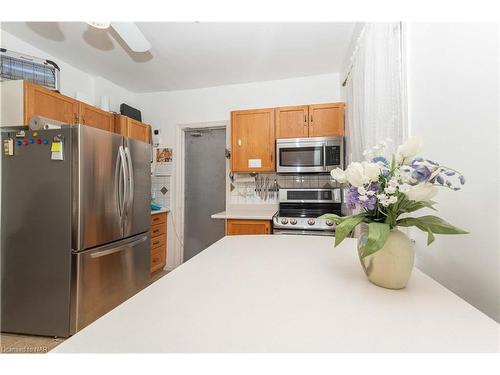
column 113, row 249
column 130, row 179
column 124, row 172
column 118, row 184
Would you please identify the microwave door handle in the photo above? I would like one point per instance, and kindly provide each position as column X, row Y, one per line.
column 324, row 157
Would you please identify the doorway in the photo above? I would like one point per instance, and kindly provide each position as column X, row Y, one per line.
column 204, row 188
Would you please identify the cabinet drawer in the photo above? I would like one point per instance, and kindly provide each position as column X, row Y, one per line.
column 158, row 241
column 158, row 218
column 158, row 257
column 158, row 230
column 242, row 227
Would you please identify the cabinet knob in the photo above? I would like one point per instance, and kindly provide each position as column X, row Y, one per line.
column 239, row 142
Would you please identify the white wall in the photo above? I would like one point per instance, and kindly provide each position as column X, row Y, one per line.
column 167, row 110
column 453, row 102
column 71, row 78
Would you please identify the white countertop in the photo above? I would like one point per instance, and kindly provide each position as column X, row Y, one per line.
column 286, row 294
column 160, row 211
column 265, row 213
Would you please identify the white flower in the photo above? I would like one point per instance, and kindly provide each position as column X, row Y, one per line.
column 392, row 199
column 361, row 190
column 338, row 175
column 422, row 192
column 381, row 197
column 390, row 189
column 363, row 198
column 370, row 193
column 404, row 188
column 355, row 174
column 409, row 149
column 372, row 171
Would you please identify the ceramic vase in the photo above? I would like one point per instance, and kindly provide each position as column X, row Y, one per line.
column 391, row 266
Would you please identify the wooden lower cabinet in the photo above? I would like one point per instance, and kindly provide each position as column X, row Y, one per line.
column 158, row 241
column 241, row 227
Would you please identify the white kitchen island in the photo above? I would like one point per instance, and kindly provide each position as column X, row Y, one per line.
column 286, row 294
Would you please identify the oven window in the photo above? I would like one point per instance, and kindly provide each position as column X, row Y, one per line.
column 301, row 157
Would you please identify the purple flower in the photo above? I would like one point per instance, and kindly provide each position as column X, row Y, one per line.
column 370, row 203
column 373, row 187
column 352, row 197
column 421, row 173
column 440, row 179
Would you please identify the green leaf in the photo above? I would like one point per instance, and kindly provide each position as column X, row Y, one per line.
column 377, row 235
column 414, row 206
column 346, row 226
column 431, row 224
column 440, row 226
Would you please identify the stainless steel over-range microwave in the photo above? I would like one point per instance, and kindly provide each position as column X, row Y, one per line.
column 309, row 155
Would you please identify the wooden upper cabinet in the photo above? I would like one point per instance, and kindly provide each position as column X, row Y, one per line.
column 242, row 227
column 132, row 128
column 39, row 101
column 95, row 117
column 326, row 120
column 253, row 141
column 292, row 122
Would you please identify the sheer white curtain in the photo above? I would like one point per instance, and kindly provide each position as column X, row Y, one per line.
column 374, row 89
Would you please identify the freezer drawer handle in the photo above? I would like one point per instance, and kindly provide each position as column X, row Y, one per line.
column 117, row 249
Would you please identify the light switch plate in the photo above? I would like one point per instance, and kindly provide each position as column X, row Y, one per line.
column 254, row 163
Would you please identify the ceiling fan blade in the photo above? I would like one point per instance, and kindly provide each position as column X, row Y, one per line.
column 131, row 35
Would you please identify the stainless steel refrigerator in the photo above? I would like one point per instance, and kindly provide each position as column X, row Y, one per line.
column 75, row 227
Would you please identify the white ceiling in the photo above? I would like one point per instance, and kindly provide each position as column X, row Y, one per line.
column 194, row 55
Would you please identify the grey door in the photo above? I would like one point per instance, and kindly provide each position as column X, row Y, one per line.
column 138, row 204
column 100, row 172
column 108, row 275
column 205, row 188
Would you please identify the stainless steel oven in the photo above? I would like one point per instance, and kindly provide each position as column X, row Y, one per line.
column 300, row 211
column 309, row 155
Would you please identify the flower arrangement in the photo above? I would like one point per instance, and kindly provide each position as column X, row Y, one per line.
column 387, row 190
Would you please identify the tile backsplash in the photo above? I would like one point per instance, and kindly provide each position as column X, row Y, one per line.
column 160, row 190
column 247, row 189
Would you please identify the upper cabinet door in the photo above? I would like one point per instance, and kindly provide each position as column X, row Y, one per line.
column 132, row 128
column 326, row 120
column 253, row 141
column 292, row 122
column 95, row 117
column 138, row 130
column 39, row 101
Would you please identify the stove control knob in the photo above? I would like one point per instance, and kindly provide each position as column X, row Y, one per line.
column 284, row 221
column 310, row 221
column 293, row 221
column 329, row 222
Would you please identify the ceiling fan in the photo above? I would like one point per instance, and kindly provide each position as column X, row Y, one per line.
column 129, row 32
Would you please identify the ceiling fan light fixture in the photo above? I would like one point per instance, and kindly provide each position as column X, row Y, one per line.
column 98, row 25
